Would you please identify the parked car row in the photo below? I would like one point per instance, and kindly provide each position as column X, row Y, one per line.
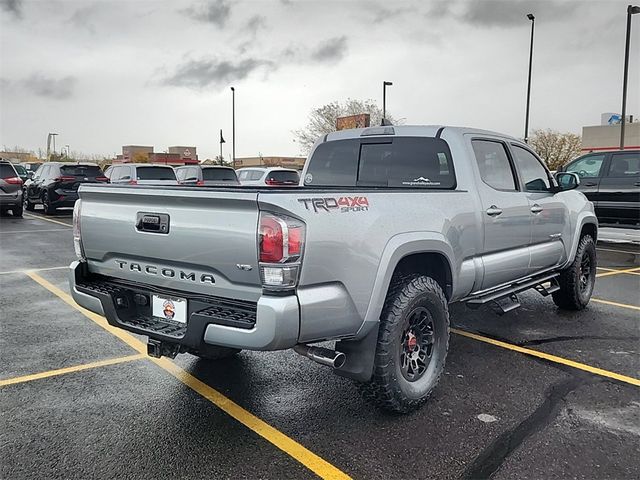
column 55, row 184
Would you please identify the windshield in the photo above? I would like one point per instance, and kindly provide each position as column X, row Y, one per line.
column 219, row 174
column 21, row 170
column 155, row 173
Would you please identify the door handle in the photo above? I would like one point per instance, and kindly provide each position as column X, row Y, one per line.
column 637, row 184
column 536, row 209
column 590, row 184
column 494, row 211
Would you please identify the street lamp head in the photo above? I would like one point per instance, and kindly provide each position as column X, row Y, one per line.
column 233, row 89
column 633, row 9
column 387, row 83
column 531, row 17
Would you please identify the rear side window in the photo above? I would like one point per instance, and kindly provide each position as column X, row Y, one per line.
column 7, row 171
column 625, row 165
column 155, row 173
column 255, row 174
column 407, row 162
column 494, row 165
column 219, row 174
column 81, row 170
column 283, row 176
column 20, row 169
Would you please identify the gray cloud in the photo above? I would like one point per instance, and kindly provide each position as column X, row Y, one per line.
column 330, row 50
column 199, row 74
column 216, row 12
column 12, row 6
column 256, row 23
column 496, row 13
column 58, row 89
column 386, row 14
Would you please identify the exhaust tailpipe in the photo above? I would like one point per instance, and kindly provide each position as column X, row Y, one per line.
column 323, row 356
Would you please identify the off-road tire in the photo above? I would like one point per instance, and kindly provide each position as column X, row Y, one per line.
column 571, row 296
column 46, row 204
column 388, row 388
column 212, row 352
column 16, row 211
column 29, row 207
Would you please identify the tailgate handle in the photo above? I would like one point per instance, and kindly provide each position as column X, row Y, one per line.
column 152, row 222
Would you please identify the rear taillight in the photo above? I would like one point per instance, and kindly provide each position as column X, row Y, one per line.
column 132, row 182
column 270, row 181
column 13, row 180
column 281, row 245
column 102, row 179
column 200, row 183
column 77, row 238
column 65, row 178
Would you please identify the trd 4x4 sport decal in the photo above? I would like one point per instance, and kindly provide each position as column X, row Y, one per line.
column 342, row 204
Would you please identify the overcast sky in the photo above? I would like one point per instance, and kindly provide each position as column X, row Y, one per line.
column 107, row 73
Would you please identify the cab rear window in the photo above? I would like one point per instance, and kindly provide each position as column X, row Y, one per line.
column 155, row 173
column 219, row 174
column 402, row 162
column 81, row 170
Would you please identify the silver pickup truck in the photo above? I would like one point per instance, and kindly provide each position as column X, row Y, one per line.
column 388, row 227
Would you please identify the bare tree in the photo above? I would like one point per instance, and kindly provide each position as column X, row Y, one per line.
column 555, row 148
column 322, row 120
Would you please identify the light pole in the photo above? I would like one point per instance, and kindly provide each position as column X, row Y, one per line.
column 631, row 10
column 526, row 115
column 53, row 137
column 67, row 150
column 233, row 126
column 384, row 100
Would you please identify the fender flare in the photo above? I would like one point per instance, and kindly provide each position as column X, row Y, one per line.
column 398, row 247
column 584, row 218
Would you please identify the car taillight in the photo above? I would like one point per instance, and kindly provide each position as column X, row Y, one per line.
column 281, row 245
column 13, row 180
column 77, row 238
column 132, row 182
column 102, row 179
column 65, row 178
column 200, row 183
column 271, row 181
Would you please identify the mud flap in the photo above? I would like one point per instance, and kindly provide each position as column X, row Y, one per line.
column 360, row 355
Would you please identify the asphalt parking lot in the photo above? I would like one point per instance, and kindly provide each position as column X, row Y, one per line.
column 535, row 393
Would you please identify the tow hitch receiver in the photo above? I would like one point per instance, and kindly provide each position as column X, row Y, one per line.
column 157, row 349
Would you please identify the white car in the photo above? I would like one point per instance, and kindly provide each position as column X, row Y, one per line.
column 273, row 176
column 141, row 174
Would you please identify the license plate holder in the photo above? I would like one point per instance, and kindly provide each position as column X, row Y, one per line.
column 173, row 309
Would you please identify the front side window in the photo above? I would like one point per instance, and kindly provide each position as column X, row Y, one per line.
column 534, row 175
column 588, row 166
column 404, row 162
column 625, row 165
column 494, row 165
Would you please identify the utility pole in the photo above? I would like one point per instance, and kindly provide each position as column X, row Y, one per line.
column 233, row 126
column 526, row 115
column 631, row 10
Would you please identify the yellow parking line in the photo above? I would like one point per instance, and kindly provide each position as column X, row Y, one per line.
column 313, row 462
column 48, row 220
column 610, row 272
column 77, row 368
column 25, row 270
column 615, row 304
column 551, row 358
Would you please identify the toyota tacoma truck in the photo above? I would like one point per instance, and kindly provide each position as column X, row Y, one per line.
column 388, row 227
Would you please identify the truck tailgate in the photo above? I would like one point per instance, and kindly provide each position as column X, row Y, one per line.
column 209, row 233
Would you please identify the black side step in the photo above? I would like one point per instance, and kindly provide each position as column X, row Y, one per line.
column 505, row 297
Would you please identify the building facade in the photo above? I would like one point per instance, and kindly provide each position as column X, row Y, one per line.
column 175, row 155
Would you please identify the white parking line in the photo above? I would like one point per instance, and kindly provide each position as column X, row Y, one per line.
column 617, row 251
column 48, row 220
column 35, row 231
column 25, row 270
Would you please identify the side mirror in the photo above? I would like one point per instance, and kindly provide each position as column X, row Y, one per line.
column 566, row 181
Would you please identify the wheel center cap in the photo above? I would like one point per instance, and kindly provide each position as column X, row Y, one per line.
column 412, row 342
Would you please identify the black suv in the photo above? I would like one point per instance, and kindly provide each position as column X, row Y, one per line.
column 10, row 189
column 55, row 184
column 611, row 180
